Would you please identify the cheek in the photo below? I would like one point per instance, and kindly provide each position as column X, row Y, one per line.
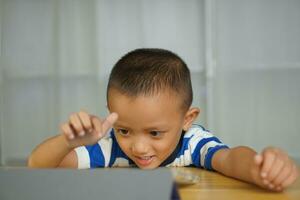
column 166, row 146
column 123, row 143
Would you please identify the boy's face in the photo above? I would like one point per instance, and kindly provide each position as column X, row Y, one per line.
column 148, row 128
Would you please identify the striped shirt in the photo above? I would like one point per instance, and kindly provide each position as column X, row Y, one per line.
column 196, row 148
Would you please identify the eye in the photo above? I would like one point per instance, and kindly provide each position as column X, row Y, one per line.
column 123, row 132
column 155, row 133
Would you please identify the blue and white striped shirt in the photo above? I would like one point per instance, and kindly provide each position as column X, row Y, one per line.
column 196, row 148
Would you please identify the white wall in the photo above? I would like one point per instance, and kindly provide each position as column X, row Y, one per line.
column 257, row 75
column 57, row 56
column 1, row 97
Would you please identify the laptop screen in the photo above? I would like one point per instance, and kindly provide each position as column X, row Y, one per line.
column 72, row 184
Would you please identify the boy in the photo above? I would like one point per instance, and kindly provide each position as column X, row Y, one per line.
column 149, row 95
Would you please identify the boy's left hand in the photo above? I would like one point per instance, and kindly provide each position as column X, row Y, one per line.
column 274, row 169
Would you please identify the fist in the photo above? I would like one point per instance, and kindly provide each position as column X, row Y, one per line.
column 84, row 129
column 276, row 170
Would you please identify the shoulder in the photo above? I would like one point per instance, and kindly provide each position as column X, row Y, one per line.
column 204, row 145
column 197, row 131
column 96, row 155
column 198, row 139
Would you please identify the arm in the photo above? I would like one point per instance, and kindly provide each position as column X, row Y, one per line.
column 81, row 130
column 272, row 169
column 54, row 152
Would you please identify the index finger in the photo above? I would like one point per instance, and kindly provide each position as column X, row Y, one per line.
column 108, row 122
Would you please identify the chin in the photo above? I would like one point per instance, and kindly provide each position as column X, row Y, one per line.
column 147, row 167
column 151, row 166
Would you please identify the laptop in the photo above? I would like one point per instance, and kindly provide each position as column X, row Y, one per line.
column 72, row 184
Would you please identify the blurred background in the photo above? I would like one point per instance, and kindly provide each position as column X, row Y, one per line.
column 244, row 56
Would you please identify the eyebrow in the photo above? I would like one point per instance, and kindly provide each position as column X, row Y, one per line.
column 120, row 125
column 156, row 127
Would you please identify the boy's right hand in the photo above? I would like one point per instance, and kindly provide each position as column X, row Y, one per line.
column 84, row 129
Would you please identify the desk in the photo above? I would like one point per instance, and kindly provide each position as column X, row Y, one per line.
column 212, row 185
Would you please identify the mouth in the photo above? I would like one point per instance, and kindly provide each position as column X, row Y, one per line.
column 144, row 160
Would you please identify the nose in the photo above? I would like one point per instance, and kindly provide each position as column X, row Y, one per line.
column 139, row 147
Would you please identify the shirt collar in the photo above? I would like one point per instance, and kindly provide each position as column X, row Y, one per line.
column 174, row 154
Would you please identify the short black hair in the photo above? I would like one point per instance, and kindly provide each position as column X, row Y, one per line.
column 149, row 71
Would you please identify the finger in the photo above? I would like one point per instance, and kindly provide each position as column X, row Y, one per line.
column 258, row 159
column 279, row 189
column 76, row 124
column 284, row 174
column 109, row 121
column 85, row 121
column 97, row 124
column 268, row 159
column 278, row 165
column 67, row 131
column 292, row 178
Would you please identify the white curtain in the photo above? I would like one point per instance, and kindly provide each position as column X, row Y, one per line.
column 56, row 56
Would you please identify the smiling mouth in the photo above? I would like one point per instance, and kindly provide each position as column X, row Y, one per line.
column 144, row 160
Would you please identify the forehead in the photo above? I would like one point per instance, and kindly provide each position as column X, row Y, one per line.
column 160, row 109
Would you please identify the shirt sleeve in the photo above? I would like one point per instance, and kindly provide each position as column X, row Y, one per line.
column 95, row 156
column 204, row 145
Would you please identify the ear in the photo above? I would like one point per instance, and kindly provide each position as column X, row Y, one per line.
column 190, row 117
